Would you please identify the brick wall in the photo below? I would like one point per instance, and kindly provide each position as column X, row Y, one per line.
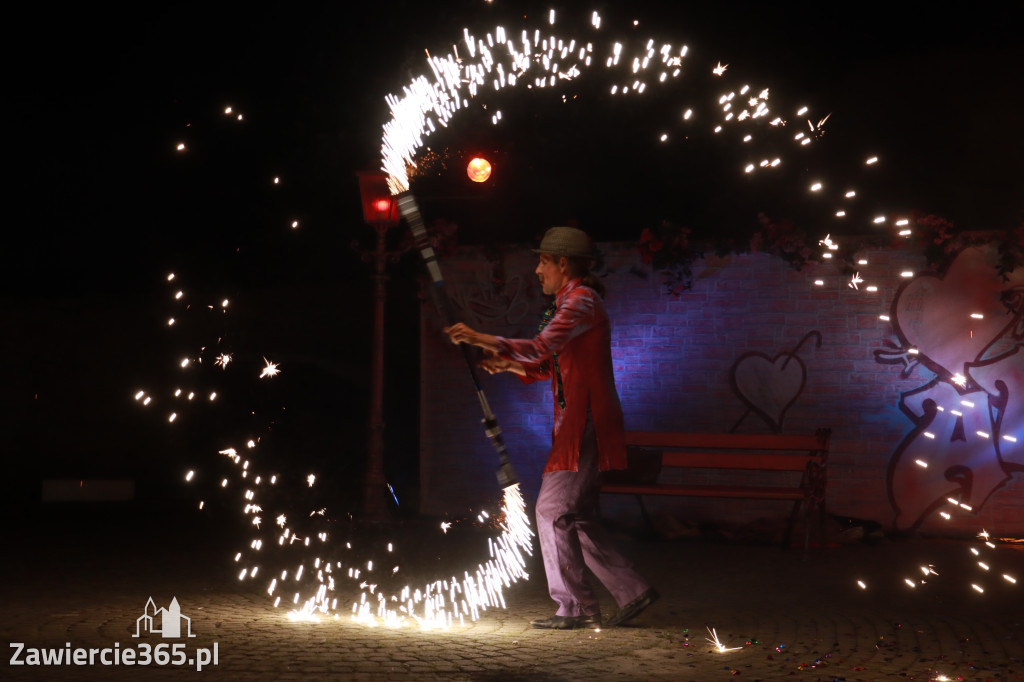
column 673, row 358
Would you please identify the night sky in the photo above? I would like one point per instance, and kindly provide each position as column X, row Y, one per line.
column 104, row 207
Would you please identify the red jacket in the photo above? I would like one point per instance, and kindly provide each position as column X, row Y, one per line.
column 580, row 333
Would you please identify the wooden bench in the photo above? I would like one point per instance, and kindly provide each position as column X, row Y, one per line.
column 795, row 468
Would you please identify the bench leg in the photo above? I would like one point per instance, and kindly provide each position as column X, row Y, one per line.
column 814, row 513
column 822, row 530
column 648, row 523
column 790, row 524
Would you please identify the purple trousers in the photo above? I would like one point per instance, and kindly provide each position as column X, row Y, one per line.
column 572, row 538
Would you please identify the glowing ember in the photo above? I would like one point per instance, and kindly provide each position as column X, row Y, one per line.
column 270, row 370
column 717, row 644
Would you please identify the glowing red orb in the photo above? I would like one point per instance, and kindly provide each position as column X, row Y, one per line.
column 382, row 205
column 479, row 169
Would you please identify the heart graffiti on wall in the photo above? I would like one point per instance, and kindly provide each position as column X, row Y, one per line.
column 769, row 386
column 966, row 327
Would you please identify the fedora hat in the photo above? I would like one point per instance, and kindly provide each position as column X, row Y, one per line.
column 566, row 241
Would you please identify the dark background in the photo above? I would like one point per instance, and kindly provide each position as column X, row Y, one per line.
column 104, row 206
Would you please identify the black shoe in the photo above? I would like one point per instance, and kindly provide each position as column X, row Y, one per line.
column 566, row 622
column 634, row 608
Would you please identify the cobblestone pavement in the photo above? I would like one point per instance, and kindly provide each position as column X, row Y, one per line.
column 64, row 583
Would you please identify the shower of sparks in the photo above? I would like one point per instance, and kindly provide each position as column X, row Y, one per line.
column 536, row 59
column 270, row 370
column 819, row 128
column 222, row 360
column 717, row 644
column 443, row 603
column 855, row 280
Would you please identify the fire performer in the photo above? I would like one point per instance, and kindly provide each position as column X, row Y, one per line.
column 573, row 350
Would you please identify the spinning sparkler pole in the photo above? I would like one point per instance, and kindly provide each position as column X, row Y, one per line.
column 411, row 212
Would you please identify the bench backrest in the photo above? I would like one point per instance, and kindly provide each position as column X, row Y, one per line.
column 765, row 452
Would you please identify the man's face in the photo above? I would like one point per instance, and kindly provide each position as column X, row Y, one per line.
column 550, row 273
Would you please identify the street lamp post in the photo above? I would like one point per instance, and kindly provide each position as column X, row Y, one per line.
column 380, row 211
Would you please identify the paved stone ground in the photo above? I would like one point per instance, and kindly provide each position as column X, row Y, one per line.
column 70, row 578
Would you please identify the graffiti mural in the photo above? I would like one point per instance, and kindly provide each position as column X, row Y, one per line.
column 769, row 386
column 966, row 328
column 489, row 306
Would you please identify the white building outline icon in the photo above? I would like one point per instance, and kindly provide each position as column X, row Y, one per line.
column 170, row 620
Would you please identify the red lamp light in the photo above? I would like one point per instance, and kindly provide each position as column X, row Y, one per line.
column 379, row 207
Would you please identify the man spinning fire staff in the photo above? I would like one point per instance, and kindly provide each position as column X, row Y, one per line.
column 573, row 350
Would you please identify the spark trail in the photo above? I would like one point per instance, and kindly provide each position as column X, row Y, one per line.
column 483, row 66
